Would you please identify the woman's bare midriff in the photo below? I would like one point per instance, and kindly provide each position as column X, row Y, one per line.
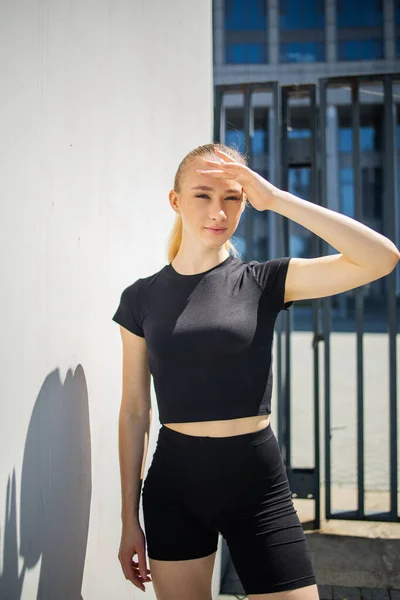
column 224, row 428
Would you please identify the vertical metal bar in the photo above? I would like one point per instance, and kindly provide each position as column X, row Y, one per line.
column 285, row 247
column 277, row 133
column 247, row 149
column 276, row 90
column 389, row 229
column 315, row 305
column 218, row 96
column 359, row 300
column 323, row 86
column 284, row 181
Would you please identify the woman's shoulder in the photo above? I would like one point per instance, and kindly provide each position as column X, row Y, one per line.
column 140, row 284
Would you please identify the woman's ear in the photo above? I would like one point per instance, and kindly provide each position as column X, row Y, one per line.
column 173, row 200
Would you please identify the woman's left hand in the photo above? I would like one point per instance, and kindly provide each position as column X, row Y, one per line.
column 255, row 187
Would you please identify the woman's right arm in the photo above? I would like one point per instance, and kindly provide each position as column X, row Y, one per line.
column 133, row 437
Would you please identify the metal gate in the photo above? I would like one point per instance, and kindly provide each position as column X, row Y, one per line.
column 334, row 144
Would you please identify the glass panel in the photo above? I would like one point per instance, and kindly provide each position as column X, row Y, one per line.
column 298, row 120
column 260, row 160
column 242, row 53
column 360, row 49
column 300, row 242
column 301, row 14
column 245, row 15
column 232, row 134
column 359, row 13
column 372, row 162
column 346, row 191
column 302, row 52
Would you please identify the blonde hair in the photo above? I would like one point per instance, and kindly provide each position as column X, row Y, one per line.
column 175, row 238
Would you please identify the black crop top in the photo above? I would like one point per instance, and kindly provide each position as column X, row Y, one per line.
column 209, row 337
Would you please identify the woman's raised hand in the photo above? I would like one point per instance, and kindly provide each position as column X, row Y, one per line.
column 258, row 190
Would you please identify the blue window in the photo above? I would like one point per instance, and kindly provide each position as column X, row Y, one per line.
column 398, row 47
column 299, row 133
column 302, row 52
column 245, row 53
column 259, row 141
column 345, row 139
column 299, row 181
column 359, row 13
column 235, row 139
column 301, row 14
column 245, row 15
column 360, row 49
column 346, row 192
column 368, row 139
column 245, row 31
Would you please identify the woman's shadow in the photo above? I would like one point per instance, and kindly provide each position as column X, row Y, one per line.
column 56, row 486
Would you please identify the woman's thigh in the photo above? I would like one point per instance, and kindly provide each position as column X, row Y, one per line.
column 183, row 578
column 181, row 549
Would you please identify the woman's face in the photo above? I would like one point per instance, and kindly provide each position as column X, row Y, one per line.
column 219, row 206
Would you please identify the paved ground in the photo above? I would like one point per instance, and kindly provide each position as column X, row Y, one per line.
column 329, row 592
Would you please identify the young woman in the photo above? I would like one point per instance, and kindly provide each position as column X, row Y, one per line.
column 202, row 326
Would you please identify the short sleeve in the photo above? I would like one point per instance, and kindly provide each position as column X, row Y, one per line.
column 271, row 277
column 129, row 311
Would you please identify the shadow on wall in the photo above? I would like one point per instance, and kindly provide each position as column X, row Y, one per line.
column 56, row 487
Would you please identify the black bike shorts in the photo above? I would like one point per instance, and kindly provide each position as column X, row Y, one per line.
column 199, row 486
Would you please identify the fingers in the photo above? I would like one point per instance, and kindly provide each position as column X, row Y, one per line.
column 222, row 153
column 215, row 163
column 222, row 172
column 140, row 572
column 129, row 571
column 142, row 562
column 132, row 571
column 219, row 168
column 210, row 172
column 230, row 166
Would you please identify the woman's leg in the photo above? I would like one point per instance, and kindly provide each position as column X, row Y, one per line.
column 189, row 579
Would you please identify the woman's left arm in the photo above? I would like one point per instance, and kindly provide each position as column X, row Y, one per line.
column 365, row 255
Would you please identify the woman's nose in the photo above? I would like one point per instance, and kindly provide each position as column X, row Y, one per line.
column 217, row 213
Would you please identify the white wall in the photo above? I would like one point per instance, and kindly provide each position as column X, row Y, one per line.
column 99, row 102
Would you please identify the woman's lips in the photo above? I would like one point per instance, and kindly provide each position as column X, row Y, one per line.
column 216, row 231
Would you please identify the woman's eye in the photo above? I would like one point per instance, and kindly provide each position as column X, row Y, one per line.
column 229, row 198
